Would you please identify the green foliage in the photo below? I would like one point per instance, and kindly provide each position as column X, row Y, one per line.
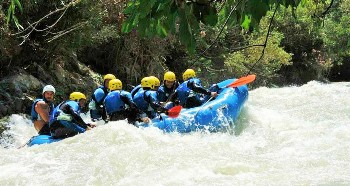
column 11, row 13
column 336, row 32
column 148, row 16
column 240, row 62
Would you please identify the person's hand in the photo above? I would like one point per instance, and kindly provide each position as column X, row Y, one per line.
column 88, row 128
column 146, row 119
column 214, row 94
column 92, row 125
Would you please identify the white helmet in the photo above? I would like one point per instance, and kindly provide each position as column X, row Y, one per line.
column 49, row 88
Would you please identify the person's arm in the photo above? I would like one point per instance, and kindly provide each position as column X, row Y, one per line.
column 43, row 110
column 76, row 117
column 155, row 104
column 140, row 115
column 198, row 88
column 127, row 100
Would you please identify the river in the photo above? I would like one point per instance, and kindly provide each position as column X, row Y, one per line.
column 298, row 135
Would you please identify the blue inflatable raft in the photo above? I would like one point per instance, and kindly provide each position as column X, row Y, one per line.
column 215, row 115
column 41, row 139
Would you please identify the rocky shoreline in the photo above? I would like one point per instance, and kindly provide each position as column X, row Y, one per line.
column 22, row 86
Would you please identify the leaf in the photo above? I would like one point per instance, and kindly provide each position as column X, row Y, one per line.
column 8, row 17
column 146, row 7
column 210, row 16
column 131, row 7
column 185, row 33
column 142, row 27
column 19, row 26
column 169, row 22
column 19, row 5
column 161, row 31
column 246, row 22
column 257, row 9
column 129, row 24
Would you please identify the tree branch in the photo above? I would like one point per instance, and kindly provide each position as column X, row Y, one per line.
column 33, row 26
column 266, row 39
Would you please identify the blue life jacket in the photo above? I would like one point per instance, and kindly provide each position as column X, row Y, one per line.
column 114, row 103
column 184, row 92
column 34, row 115
column 164, row 93
column 99, row 95
column 143, row 98
column 67, row 123
column 135, row 90
column 57, row 111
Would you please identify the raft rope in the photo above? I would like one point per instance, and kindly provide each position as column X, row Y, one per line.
column 30, row 140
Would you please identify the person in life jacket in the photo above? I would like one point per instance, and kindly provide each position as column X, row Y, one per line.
column 65, row 120
column 146, row 99
column 167, row 89
column 189, row 91
column 139, row 87
column 135, row 90
column 119, row 104
column 42, row 109
column 97, row 110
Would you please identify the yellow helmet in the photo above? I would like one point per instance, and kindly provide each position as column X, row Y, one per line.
column 76, row 96
column 188, row 74
column 147, row 82
column 115, row 84
column 109, row 76
column 156, row 81
column 169, row 76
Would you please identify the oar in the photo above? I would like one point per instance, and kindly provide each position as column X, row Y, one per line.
column 242, row 81
column 174, row 112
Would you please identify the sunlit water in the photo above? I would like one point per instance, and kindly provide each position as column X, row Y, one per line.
column 284, row 136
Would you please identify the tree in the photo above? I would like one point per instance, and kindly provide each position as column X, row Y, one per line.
column 184, row 18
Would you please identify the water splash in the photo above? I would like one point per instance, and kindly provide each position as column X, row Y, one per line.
column 284, row 136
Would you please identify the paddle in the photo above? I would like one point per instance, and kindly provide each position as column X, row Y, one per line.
column 174, row 112
column 242, row 81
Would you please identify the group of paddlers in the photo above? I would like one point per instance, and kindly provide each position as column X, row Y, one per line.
column 109, row 102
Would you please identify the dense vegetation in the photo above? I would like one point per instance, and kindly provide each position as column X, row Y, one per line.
column 283, row 42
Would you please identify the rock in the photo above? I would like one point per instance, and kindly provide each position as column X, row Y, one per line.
column 20, row 83
column 18, row 105
column 3, row 110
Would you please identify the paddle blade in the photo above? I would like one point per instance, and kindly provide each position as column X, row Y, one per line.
column 242, row 81
column 175, row 111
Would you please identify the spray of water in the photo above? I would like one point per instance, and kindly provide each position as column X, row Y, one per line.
column 284, row 136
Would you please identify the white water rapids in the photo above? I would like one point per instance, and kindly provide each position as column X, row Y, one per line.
column 284, row 136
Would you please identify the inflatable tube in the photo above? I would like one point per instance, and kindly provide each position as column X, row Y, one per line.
column 41, row 139
column 217, row 114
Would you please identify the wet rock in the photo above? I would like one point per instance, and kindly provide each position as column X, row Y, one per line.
column 3, row 110
column 18, row 105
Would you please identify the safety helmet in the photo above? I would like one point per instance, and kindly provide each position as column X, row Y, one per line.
column 109, row 76
column 115, row 84
column 169, row 76
column 147, row 82
column 49, row 88
column 189, row 73
column 76, row 96
column 156, row 81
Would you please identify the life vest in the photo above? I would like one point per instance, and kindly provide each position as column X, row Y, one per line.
column 99, row 95
column 143, row 99
column 164, row 93
column 135, row 90
column 184, row 92
column 34, row 115
column 58, row 114
column 113, row 102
